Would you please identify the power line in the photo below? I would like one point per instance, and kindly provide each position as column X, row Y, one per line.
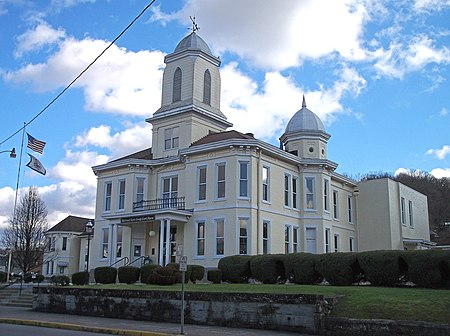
column 81, row 74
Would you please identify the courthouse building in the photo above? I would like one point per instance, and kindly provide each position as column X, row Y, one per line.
column 206, row 191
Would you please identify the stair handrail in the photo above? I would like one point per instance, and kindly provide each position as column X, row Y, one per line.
column 142, row 259
column 125, row 260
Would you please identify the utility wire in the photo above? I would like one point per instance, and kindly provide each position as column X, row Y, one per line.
column 81, row 74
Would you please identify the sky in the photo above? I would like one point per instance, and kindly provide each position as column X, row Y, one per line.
column 375, row 71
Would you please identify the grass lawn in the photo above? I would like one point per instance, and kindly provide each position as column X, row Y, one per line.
column 361, row 302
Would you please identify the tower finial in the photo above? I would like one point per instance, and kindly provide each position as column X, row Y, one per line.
column 194, row 24
column 304, row 101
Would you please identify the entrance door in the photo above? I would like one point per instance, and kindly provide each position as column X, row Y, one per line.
column 172, row 245
column 311, row 244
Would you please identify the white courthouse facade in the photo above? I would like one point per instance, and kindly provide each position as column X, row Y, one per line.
column 215, row 192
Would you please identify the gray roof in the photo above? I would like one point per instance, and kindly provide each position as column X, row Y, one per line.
column 71, row 224
column 304, row 120
column 193, row 42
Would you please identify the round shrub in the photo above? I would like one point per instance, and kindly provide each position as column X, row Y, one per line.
column 197, row 272
column 215, row 276
column 60, row 280
column 3, row 276
column 235, row 269
column 105, row 275
column 163, row 276
column 146, row 270
column 268, row 269
column 339, row 269
column 39, row 278
column 176, row 267
column 128, row 274
column 300, row 268
column 428, row 268
column 80, row 278
column 382, row 268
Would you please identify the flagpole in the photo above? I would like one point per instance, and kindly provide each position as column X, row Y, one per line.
column 18, row 170
column 15, row 200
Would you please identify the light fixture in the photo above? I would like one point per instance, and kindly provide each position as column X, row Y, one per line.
column 12, row 153
column 152, row 232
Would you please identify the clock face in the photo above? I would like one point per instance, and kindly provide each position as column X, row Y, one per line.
column 311, row 149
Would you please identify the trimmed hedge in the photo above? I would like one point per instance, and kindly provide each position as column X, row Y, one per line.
column 146, row 270
column 60, row 280
column 300, row 268
column 105, row 275
column 128, row 274
column 164, row 276
column 428, row 268
column 235, row 269
column 383, row 268
column 197, row 272
column 268, row 269
column 80, row 278
column 339, row 269
column 215, row 276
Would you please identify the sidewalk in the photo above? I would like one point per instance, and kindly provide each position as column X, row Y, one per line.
column 25, row 316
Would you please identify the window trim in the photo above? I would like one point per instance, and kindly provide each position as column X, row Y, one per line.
column 201, row 184
column 199, row 239
column 136, row 189
column 171, row 140
column 410, row 214
column 287, row 190
column 107, row 200
column 403, row 211
column 326, row 195
column 335, row 204
column 327, row 240
column 351, row 244
column 177, row 85
column 218, row 182
column 294, row 186
column 244, row 180
column 313, row 193
column 266, row 239
column 246, row 237
column 350, row 208
column 104, row 243
column 121, row 196
column 336, row 242
column 265, row 184
column 217, row 237
column 207, row 87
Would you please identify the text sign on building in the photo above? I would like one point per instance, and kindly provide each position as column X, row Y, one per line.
column 183, row 263
column 138, row 219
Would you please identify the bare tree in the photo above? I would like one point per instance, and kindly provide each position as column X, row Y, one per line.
column 24, row 234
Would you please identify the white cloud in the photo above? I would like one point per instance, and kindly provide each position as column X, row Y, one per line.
column 134, row 138
column 443, row 112
column 281, row 37
column 431, row 5
column 440, row 153
column 60, row 4
column 265, row 111
column 121, row 81
column 36, row 38
column 441, row 172
column 399, row 59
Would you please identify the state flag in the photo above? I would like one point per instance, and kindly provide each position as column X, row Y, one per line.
column 36, row 165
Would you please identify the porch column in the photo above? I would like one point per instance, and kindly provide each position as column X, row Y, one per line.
column 167, row 241
column 161, row 241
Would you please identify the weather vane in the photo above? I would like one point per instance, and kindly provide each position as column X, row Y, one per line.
column 194, row 24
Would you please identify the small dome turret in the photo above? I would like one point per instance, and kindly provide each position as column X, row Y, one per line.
column 304, row 120
column 193, row 42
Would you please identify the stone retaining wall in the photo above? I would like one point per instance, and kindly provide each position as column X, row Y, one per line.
column 290, row 312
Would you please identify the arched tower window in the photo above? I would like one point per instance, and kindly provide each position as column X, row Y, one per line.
column 207, row 88
column 176, row 96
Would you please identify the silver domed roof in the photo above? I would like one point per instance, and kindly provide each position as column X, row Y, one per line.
column 304, row 120
column 193, row 42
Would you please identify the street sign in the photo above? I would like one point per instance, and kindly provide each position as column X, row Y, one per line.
column 183, row 263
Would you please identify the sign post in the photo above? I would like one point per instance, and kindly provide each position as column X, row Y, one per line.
column 183, row 269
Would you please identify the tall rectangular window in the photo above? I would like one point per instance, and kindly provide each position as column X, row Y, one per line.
column 327, row 241
column 350, row 208
column 243, row 236
column 170, row 191
column 171, row 138
column 351, row 243
column 410, row 209
column 287, row 190
column 121, row 199
column 201, row 183
column 64, row 243
column 295, row 239
column 294, row 192
column 200, row 238
column 119, row 234
column 105, row 242
column 335, row 204
column 220, row 178
column 220, row 237
column 140, row 191
column 326, row 195
column 336, row 243
column 243, row 179
column 403, row 210
column 266, row 237
column 265, row 184
column 108, row 194
column 287, row 239
column 310, row 196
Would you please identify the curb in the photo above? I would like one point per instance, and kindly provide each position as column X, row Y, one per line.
column 77, row 327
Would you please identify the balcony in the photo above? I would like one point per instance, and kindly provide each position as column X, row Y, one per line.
column 177, row 203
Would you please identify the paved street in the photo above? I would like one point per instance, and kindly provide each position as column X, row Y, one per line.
column 79, row 323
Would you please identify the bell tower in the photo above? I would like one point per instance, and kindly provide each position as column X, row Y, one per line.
column 190, row 102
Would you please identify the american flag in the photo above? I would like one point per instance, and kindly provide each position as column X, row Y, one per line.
column 35, row 144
